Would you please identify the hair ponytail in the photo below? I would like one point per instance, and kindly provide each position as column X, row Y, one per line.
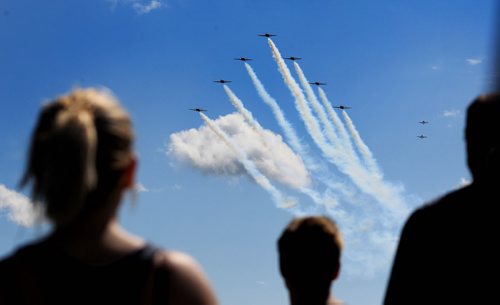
column 74, row 137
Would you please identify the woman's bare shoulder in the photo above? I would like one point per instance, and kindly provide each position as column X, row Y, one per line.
column 188, row 283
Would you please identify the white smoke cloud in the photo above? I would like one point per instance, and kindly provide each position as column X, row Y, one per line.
column 140, row 6
column 474, row 61
column 18, row 207
column 464, row 182
column 202, row 149
column 139, row 187
column 451, row 113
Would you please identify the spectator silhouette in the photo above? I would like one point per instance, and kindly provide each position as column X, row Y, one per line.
column 309, row 256
column 81, row 161
column 448, row 253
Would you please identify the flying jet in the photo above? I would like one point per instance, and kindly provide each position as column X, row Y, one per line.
column 198, row 109
column 293, row 58
column 342, row 107
column 266, row 35
column 222, row 81
column 317, row 83
column 424, row 122
column 421, row 136
column 243, row 59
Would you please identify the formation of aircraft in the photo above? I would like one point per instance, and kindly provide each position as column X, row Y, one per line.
column 198, row 109
column 421, row 136
column 243, row 59
column 317, row 83
column 342, row 107
column 293, row 58
column 222, row 81
column 267, row 35
column 424, row 122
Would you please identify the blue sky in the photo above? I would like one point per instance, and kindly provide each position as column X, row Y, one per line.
column 394, row 62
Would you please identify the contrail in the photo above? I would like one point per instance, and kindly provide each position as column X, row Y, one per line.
column 329, row 130
column 383, row 193
column 260, row 179
column 365, row 151
column 285, row 125
column 290, row 133
column 247, row 115
column 301, row 104
column 335, row 119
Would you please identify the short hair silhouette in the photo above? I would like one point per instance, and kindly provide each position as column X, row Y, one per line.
column 309, row 257
column 447, row 249
column 482, row 134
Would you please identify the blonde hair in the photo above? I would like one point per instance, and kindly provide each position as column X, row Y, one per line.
column 80, row 143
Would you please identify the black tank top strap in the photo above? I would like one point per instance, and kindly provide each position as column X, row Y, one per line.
column 157, row 290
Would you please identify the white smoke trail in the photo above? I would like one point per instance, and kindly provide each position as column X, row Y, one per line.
column 311, row 123
column 365, row 151
column 260, row 179
column 335, row 119
column 285, row 125
column 320, row 111
column 385, row 194
column 247, row 115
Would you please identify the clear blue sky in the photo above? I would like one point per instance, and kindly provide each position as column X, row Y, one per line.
column 394, row 62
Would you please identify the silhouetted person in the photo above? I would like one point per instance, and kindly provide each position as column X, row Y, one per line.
column 448, row 253
column 81, row 162
column 309, row 256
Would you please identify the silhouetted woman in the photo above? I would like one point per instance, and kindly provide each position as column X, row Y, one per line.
column 81, row 162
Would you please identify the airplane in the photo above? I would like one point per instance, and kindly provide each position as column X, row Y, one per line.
column 222, row 81
column 198, row 109
column 293, row 58
column 266, row 35
column 243, row 59
column 424, row 122
column 421, row 136
column 342, row 107
column 317, row 83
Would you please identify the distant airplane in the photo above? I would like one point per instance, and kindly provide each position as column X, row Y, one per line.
column 222, row 81
column 198, row 109
column 266, row 35
column 317, row 83
column 424, row 122
column 293, row 58
column 243, row 59
column 421, row 136
column 342, row 107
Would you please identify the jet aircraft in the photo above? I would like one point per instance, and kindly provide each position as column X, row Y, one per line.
column 293, row 58
column 243, row 59
column 424, row 122
column 266, row 35
column 421, row 136
column 222, row 81
column 342, row 107
column 317, row 83
column 198, row 109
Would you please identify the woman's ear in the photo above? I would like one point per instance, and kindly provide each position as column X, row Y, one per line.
column 128, row 178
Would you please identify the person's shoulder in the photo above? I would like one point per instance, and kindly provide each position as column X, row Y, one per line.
column 188, row 284
column 445, row 203
column 30, row 250
column 177, row 263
